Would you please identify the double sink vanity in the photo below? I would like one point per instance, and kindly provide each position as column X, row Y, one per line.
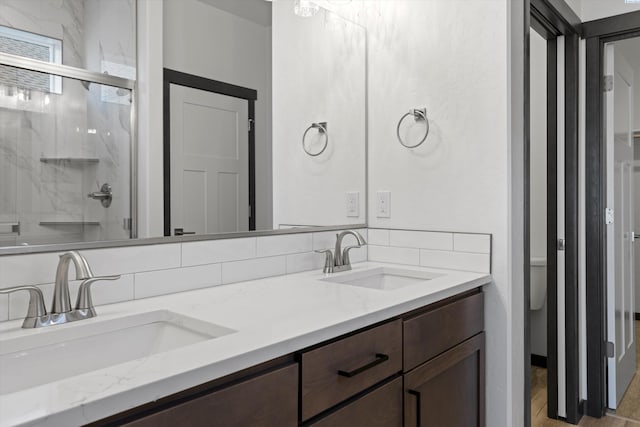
column 379, row 345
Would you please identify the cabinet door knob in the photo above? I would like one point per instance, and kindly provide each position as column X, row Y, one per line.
column 380, row 358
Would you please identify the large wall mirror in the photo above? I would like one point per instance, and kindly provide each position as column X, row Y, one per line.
column 264, row 122
column 267, row 112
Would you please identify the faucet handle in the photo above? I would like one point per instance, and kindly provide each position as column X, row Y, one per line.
column 36, row 300
column 328, row 260
column 84, row 302
column 345, row 254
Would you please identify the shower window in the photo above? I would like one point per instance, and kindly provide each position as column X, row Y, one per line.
column 33, row 46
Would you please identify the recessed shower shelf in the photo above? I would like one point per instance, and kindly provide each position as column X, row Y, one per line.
column 52, row 223
column 78, row 160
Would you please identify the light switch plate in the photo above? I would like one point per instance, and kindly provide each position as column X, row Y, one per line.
column 353, row 204
column 383, row 204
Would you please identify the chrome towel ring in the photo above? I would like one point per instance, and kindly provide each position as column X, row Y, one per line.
column 418, row 114
column 322, row 128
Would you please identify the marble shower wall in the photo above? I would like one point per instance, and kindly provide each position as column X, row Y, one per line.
column 85, row 121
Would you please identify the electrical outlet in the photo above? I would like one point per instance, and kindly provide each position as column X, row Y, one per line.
column 383, row 205
column 353, row 204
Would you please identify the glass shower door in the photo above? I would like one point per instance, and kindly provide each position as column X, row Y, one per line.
column 9, row 225
column 65, row 160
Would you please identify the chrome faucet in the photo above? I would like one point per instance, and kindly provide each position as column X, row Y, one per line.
column 339, row 259
column 61, row 311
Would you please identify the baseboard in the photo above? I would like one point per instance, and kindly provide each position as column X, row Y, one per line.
column 539, row 361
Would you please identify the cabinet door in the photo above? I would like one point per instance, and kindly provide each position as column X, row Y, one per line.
column 380, row 408
column 448, row 390
column 269, row 400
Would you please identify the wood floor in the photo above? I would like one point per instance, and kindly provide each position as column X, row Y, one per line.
column 628, row 411
column 630, row 405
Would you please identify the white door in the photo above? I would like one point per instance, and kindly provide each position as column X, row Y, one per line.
column 620, row 268
column 209, row 162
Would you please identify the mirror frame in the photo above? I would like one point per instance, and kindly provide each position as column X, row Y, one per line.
column 63, row 247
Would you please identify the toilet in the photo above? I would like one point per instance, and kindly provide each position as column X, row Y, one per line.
column 538, row 282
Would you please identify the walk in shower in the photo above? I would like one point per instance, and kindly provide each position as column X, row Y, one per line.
column 67, row 121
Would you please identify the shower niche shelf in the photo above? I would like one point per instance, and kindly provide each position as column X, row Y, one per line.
column 68, row 223
column 73, row 160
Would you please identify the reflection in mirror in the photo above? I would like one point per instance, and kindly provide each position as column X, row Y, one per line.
column 234, row 162
column 65, row 143
column 238, row 116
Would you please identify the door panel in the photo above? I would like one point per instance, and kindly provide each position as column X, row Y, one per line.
column 209, row 161
column 620, row 266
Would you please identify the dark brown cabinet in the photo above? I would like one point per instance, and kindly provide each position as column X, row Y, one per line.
column 263, row 401
column 423, row 368
column 449, row 389
column 380, row 408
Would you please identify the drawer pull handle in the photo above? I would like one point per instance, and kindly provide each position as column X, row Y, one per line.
column 380, row 358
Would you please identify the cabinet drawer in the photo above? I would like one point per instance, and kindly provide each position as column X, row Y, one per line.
column 431, row 333
column 337, row 371
column 269, row 400
column 380, row 408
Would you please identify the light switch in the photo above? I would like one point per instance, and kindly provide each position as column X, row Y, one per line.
column 353, row 204
column 383, row 204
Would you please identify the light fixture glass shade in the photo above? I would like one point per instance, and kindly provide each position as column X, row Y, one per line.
column 305, row 8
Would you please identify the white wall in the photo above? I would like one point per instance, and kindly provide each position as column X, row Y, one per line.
column 463, row 62
column 203, row 40
column 319, row 75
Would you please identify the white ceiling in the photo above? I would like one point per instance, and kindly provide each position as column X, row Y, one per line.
column 258, row 11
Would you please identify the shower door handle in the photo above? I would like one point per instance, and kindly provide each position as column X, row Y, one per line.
column 9, row 228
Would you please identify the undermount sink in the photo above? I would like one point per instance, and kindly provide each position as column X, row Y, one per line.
column 384, row 278
column 66, row 351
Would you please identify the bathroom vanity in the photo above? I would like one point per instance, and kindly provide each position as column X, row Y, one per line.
column 403, row 347
column 432, row 359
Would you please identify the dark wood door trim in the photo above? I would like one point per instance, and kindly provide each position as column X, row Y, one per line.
column 553, row 18
column 197, row 82
column 597, row 34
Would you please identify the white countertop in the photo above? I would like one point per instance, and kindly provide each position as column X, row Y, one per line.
column 274, row 317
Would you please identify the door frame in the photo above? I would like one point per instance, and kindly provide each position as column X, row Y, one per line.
column 196, row 82
column 597, row 33
column 553, row 18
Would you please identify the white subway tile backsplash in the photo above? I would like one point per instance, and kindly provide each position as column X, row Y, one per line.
column 409, row 256
column 327, row 239
column 476, row 243
column 163, row 282
column 106, row 292
column 455, row 260
column 359, row 254
column 378, row 237
column 162, row 269
column 257, row 268
column 4, row 308
column 35, row 269
column 282, row 245
column 324, row 240
column 421, row 239
column 215, row 251
column 133, row 259
column 304, row 262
